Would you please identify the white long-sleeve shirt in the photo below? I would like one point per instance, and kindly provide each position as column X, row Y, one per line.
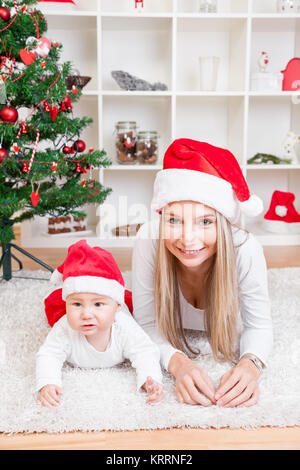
column 255, row 316
column 128, row 341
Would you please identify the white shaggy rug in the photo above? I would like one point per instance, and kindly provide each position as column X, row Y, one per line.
column 96, row 400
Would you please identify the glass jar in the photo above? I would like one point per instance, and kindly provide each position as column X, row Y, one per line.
column 208, row 6
column 126, row 142
column 147, row 147
column 209, row 69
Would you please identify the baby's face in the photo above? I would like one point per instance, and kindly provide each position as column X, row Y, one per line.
column 90, row 313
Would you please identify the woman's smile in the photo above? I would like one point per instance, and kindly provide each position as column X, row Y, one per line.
column 191, row 253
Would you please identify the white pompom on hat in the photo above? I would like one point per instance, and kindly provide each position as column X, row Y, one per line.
column 90, row 269
column 197, row 171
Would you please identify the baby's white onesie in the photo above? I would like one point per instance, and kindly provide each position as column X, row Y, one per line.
column 128, row 341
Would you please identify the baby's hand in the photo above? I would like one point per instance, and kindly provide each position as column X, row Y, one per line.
column 154, row 391
column 48, row 395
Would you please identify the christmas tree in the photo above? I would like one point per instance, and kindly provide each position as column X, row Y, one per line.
column 45, row 167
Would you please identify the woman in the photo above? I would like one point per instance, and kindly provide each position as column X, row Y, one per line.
column 193, row 268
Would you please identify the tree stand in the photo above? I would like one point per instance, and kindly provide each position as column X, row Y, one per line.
column 7, row 256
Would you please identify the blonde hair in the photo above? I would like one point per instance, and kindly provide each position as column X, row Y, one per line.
column 221, row 299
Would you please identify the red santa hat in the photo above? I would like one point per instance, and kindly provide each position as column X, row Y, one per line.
column 197, row 171
column 282, row 216
column 55, row 306
column 90, row 269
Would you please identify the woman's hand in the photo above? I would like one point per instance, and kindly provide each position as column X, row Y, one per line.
column 49, row 395
column 239, row 386
column 154, row 390
column 193, row 385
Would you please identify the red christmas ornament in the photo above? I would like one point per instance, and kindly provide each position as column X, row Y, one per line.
column 66, row 104
column 83, row 183
column 53, row 112
column 139, row 3
column 83, row 170
column 62, row 108
column 27, row 57
column 3, row 154
column 66, row 150
column 79, row 146
column 24, row 167
column 46, row 107
column 74, row 90
column 24, row 129
column 4, row 14
column 9, row 114
column 78, row 167
column 43, row 47
column 54, row 167
column 16, row 148
column 35, row 197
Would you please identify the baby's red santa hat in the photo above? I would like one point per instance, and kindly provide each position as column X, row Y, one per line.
column 197, row 171
column 90, row 269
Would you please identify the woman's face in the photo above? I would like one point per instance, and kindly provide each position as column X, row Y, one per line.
column 190, row 232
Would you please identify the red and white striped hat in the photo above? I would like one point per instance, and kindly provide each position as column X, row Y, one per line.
column 90, row 269
column 197, row 171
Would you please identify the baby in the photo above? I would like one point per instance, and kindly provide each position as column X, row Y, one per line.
column 97, row 330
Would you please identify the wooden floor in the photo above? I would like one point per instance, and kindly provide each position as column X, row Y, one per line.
column 187, row 439
column 262, row 438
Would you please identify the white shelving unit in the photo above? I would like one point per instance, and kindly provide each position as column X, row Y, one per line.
column 163, row 44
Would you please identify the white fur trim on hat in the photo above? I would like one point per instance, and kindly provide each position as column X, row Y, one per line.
column 189, row 185
column 281, row 211
column 94, row 285
column 253, row 207
column 56, row 277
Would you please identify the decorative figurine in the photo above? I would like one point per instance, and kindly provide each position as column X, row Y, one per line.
column 288, row 147
column 287, row 154
column 265, row 81
column 288, row 6
column 263, row 62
